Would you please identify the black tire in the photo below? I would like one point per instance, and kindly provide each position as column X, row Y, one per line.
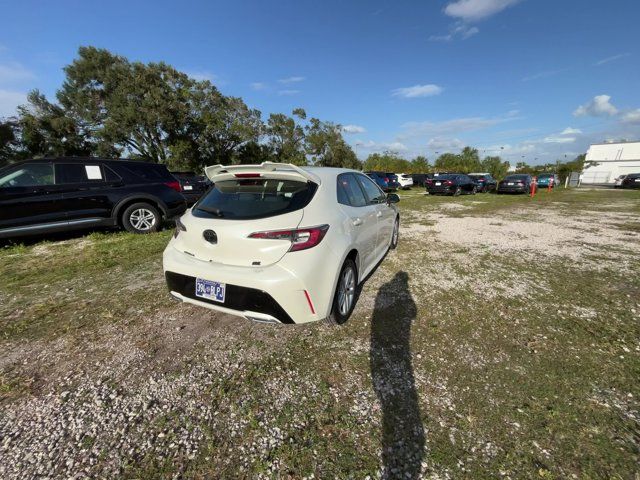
column 474, row 190
column 337, row 317
column 141, row 218
column 457, row 192
column 395, row 235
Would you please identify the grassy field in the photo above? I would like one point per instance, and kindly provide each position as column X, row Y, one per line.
column 501, row 339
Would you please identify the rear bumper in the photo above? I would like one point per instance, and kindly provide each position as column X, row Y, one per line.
column 272, row 293
column 248, row 302
column 511, row 189
column 439, row 190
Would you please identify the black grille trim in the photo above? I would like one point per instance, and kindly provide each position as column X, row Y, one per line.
column 236, row 297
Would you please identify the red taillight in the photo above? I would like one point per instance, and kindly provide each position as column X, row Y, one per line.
column 428, row 181
column 174, row 186
column 301, row 238
column 248, row 175
column 448, row 182
column 386, row 179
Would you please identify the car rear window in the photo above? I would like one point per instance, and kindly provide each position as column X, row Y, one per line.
column 445, row 176
column 243, row 199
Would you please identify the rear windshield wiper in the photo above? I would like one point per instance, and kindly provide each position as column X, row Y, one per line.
column 216, row 211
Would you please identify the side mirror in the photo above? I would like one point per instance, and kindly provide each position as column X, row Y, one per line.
column 393, row 198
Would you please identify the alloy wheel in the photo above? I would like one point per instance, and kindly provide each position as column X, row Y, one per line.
column 142, row 219
column 347, row 291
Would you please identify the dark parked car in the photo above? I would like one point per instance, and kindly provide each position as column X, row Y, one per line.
column 545, row 180
column 450, row 184
column 632, row 180
column 393, row 180
column 484, row 181
column 193, row 185
column 55, row 194
column 520, row 183
column 383, row 181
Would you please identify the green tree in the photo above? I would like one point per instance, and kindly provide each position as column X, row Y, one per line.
column 420, row 164
column 10, row 150
column 387, row 161
column 286, row 137
column 495, row 166
column 326, row 147
column 47, row 130
column 223, row 126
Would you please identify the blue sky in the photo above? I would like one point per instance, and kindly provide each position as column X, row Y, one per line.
column 535, row 78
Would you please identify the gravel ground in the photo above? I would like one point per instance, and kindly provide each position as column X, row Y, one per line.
column 126, row 396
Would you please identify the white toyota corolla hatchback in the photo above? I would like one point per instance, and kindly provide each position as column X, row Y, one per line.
column 279, row 243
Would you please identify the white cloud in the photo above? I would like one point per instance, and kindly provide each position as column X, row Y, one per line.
column 417, row 91
column 445, row 144
column 353, row 129
column 383, row 146
column 454, row 126
column 545, row 74
column 598, row 107
column 610, row 59
column 632, row 117
column 571, row 131
column 457, row 30
column 476, row 10
column 258, row 86
column 14, row 72
column 288, row 92
column 9, row 101
column 559, row 139
column 289, row 80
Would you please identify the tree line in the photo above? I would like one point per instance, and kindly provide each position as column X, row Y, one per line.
column 109, row 106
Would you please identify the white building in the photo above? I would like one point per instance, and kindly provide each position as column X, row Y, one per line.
column 609, row 161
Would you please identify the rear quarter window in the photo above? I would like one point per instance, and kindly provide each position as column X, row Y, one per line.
column 148, row 172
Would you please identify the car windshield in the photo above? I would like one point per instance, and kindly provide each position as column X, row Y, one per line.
column 517, row 177
column 254, row 198
column 545, row 175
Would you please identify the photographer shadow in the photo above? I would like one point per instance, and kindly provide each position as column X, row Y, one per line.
column 403, row 437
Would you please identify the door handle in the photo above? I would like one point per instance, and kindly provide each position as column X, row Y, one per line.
column 357, row 222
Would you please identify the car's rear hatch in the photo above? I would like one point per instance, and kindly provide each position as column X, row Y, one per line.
column 244, row 201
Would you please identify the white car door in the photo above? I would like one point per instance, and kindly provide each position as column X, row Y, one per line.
column 363, row 220
column 384, row 214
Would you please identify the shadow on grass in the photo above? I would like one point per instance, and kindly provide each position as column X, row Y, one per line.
column 393, row 380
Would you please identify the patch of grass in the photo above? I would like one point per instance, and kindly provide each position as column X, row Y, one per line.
column 50, row 289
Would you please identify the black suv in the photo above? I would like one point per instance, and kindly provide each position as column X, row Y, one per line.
column 55, row 194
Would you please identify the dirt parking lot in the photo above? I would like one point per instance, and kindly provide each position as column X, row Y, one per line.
column 501, row 339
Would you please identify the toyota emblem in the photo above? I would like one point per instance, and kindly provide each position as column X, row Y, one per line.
column 210, row 236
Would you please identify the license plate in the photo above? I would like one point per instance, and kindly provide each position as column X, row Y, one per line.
column 187, row 187
column 210, row 290
column 637, row 180
column 509, row 183
column 438, row 184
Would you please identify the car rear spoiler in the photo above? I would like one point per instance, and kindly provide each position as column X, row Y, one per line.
column 284, row 171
